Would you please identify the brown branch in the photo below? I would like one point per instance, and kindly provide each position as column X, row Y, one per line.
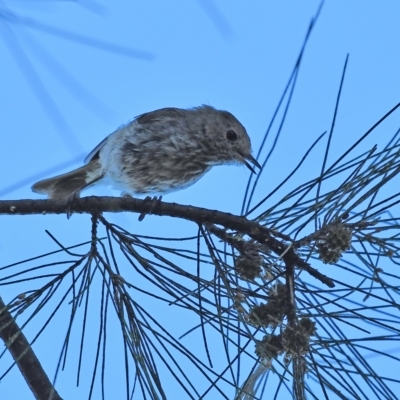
column 25, row 358
column 199, row 215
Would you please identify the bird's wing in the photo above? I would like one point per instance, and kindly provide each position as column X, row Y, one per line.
column 147, row 118
column 96, row 150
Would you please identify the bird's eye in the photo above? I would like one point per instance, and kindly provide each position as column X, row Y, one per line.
column 231, row 135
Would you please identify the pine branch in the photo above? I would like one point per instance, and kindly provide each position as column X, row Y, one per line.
column 96, row 205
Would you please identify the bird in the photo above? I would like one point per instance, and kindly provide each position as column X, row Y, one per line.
column 158, row 152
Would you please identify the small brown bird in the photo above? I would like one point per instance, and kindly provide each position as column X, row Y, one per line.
column 160, row 151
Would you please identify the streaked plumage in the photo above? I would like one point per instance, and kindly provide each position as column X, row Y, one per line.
column 160, row 151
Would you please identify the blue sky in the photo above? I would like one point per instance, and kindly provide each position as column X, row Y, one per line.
column 73, row 71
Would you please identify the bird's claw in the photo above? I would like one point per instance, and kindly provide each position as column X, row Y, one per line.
column 70, row 202
column 154, row 202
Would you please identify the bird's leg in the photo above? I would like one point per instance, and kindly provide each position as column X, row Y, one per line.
column 70, row 202
column 154, row 201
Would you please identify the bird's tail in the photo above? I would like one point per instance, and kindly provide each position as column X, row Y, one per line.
column 62, row 186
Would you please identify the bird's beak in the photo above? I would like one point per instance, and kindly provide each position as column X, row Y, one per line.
column 247, row 158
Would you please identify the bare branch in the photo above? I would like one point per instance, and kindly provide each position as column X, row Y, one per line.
column 25, row 358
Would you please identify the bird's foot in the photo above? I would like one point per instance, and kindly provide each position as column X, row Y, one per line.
column 154, row 201
column 71, row 199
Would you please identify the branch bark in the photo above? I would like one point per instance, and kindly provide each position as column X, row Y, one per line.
column 25, row 358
